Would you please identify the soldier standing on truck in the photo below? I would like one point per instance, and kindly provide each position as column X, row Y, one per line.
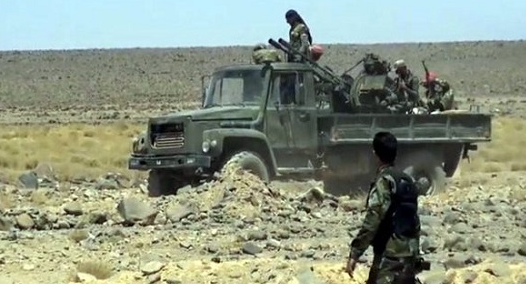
column 299, row 35
column 407, row 85
column 261, row 54
column 391, row 225
column 439, row 94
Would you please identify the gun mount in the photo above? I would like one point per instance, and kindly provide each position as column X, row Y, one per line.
column 327, row 82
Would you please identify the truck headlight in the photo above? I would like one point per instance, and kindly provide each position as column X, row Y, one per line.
column 139, row 143
column 207, row 145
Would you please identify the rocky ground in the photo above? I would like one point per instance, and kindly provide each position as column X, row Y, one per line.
column 237, row 229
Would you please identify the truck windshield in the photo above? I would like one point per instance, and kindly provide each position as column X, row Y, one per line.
column 239, row 87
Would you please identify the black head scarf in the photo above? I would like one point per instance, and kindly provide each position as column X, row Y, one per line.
column 294, row 17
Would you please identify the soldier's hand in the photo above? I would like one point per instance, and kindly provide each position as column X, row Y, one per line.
column 351, row 265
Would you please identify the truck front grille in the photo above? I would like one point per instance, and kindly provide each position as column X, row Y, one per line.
column 170, row 135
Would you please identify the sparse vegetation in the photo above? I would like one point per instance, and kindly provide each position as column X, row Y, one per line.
column 74, row 151
column 506, row 150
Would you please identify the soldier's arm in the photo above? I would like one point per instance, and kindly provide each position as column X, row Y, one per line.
column 414, row 85
column 378, row 204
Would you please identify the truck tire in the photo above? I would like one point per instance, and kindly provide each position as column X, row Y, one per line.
column 250, row 162
column 161, row 182
column 426, row 167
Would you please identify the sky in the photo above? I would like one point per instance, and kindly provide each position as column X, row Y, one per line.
column 79, row 24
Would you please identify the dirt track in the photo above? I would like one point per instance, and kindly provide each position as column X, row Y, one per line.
column 71, row 228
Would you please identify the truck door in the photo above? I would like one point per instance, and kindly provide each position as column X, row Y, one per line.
column 296, row 113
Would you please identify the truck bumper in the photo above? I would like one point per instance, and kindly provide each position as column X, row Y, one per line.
column 169, row 162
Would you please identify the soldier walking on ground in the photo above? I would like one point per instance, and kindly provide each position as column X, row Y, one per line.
column 439, row 93
column 391, row 225
column 299, row 35
column 407, row 85
column 261, row 54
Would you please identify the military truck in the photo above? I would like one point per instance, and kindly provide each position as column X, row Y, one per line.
column 279, row 120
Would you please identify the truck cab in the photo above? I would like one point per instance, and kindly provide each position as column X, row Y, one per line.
column 258, row 115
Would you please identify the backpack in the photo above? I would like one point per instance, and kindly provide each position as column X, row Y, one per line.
column 401, row 219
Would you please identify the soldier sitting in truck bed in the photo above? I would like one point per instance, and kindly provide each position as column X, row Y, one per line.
column 439, row 93
column 261, row 54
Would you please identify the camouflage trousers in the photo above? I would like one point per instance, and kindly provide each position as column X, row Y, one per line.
column 392, row 271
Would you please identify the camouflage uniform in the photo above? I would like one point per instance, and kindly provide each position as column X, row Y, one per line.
column 411, row 96
column 439, row 95
column 394, row 256
column 299, row 40
column 265, row 55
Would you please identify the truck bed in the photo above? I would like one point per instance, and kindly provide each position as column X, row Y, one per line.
column 429, row 128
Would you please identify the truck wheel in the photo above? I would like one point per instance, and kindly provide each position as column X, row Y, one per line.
column 428, row 172
column 250, row 162
column 161, row 182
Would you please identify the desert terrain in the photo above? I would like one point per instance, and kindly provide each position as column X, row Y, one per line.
column 71, row 212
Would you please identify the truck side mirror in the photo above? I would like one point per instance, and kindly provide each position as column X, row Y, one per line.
column 204, row 88
column 203, row 96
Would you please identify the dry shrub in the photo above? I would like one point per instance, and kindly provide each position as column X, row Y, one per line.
column 506, row 150
column 74, row 151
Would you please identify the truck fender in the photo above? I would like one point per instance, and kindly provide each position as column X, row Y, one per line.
column 251, row 140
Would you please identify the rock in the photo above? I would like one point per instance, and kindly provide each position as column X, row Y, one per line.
column 24, row 221
column 152, row 267
column 522, row 249
column 213, row 248
column 352, row 205
column 469, row 277
column 457, row 261
column 73, row 208
column 177, row 212
column 5, row 224
column 429, row 245
column 477, row 244
column 107, row 184
column 460, row 228
column 499, row 269
column 154, row 278
column 132, row 210
column 172, row 280
column 43, row 170
column 451, row 218
column 256, row 235
column 84, row 277
column 306, row 276
column 28, row 267
column 251, row 248
column 29, row 180
column 454, row 242
column 432, row 277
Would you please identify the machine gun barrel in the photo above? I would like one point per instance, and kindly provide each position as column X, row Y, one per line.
column 323, row 73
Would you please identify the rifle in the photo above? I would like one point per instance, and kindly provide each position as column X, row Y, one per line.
column 425, row 69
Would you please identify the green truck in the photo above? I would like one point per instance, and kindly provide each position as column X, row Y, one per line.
column 278, row 121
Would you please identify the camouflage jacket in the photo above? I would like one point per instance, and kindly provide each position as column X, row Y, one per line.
column 379, row 200
column 299, row 39
column 262, row 55
column 441, row 93
column 413, row 84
